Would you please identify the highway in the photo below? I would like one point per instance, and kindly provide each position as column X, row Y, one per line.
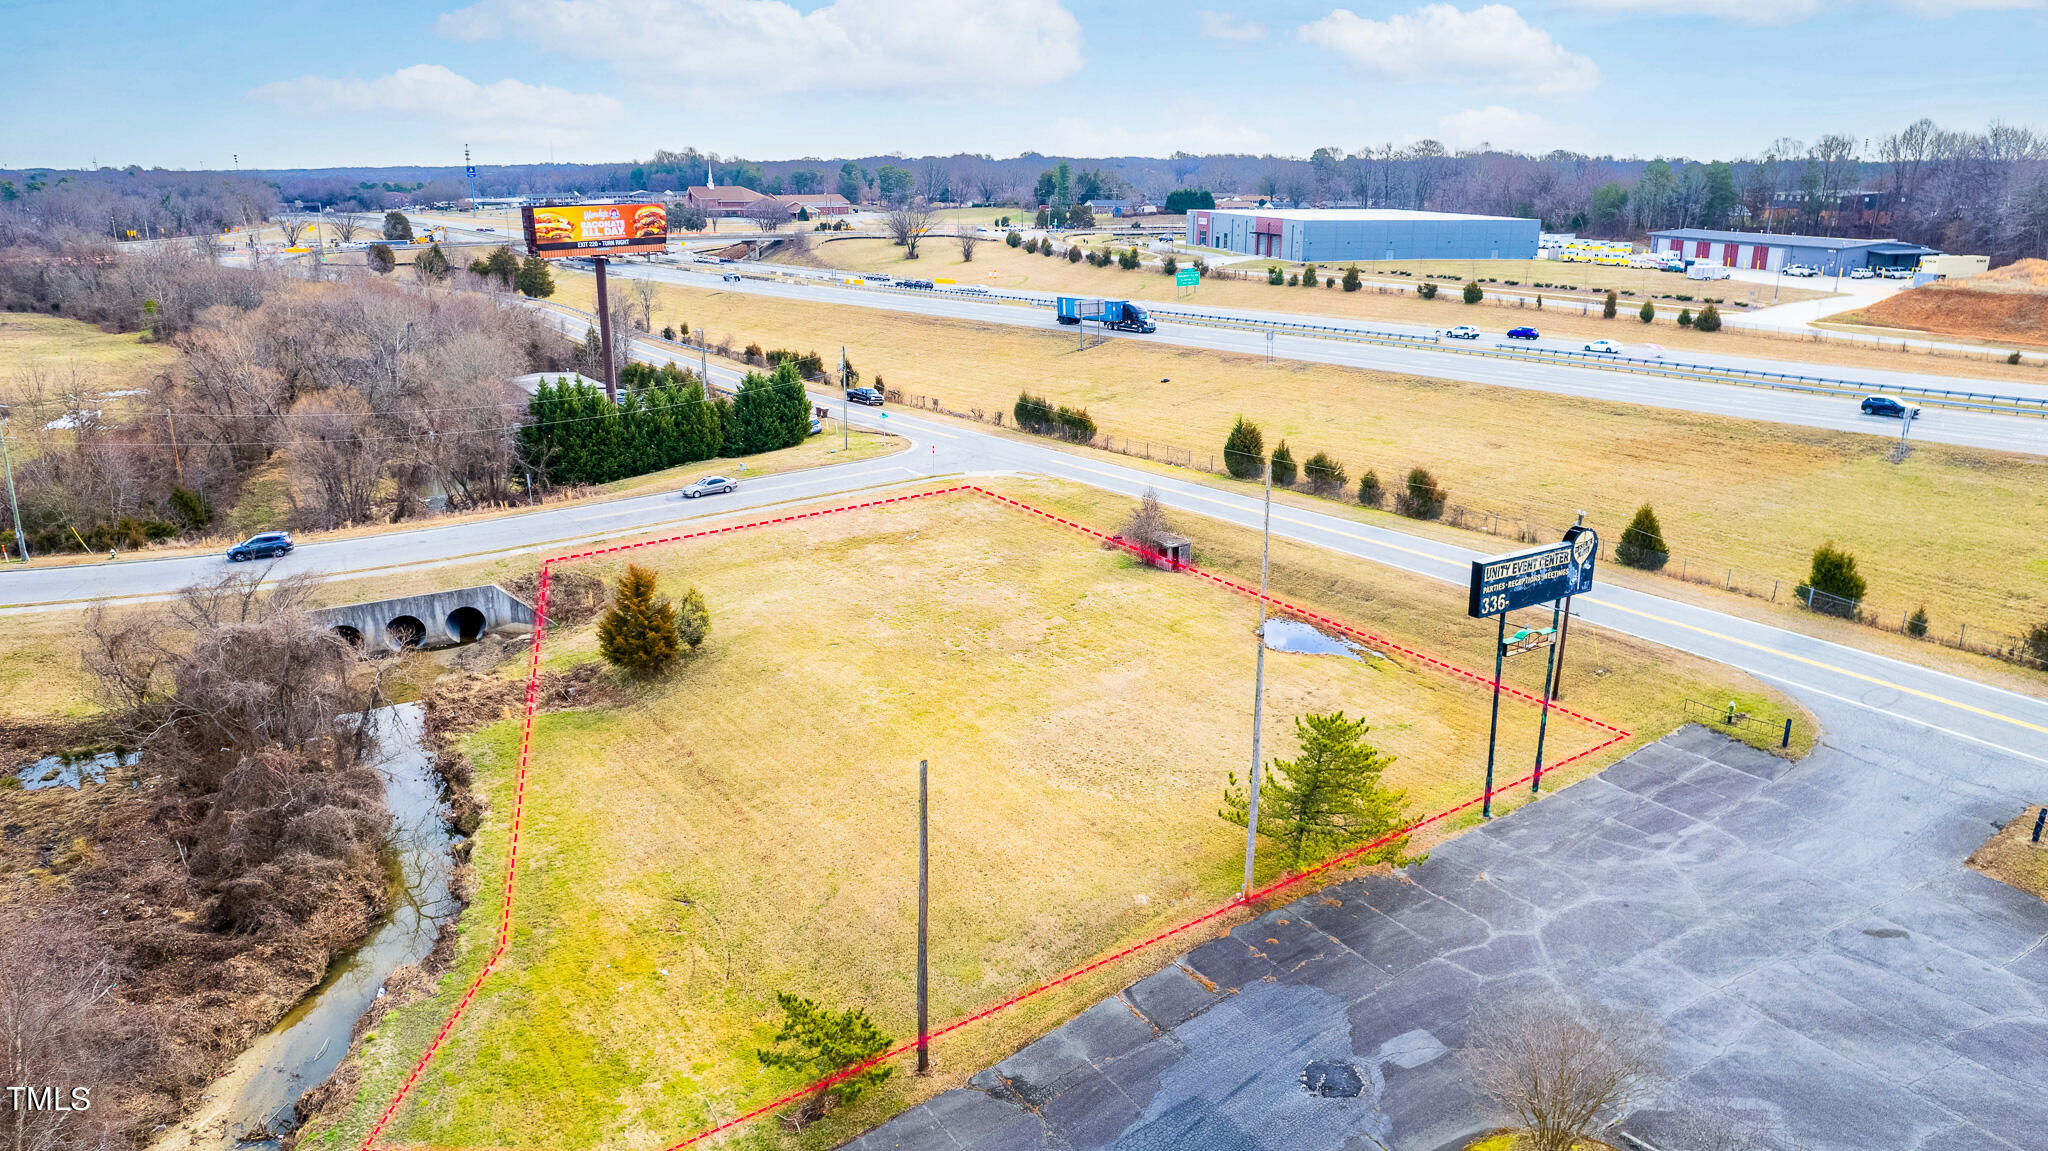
column 1981, row 724
column 2023, row 434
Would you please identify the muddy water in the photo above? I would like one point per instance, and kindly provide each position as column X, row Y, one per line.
column 258, row 1094
column 1307, row 639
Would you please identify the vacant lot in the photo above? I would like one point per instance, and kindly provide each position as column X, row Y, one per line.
column 747, row 825
column 50, row 356
column 2008, row 306
column 1961, row 531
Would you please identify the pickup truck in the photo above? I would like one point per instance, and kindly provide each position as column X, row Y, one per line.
column 1121, row 315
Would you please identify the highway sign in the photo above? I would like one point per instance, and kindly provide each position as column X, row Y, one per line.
column 1542, row 574
column 1186, row 278
column 471, row 171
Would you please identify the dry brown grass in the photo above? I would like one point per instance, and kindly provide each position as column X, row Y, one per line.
column 2011, row 857
column 1959, row 530
column 2009, row 306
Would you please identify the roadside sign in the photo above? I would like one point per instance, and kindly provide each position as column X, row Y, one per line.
column 1542, row 574
column 471, row 173
column 1186, row 278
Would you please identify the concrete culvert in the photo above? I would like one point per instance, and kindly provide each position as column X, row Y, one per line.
column 406, row 631
column 466, row 624
column 353, row 637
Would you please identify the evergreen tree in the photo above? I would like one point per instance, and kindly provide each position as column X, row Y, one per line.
column 1370, row 493
column 1611, row 306
column 1308, row 276
column 1327, row 799
column 397, row 227
column 823, row 1043
column 1474, row 293
column 1013, row 240
column 693, row 619
column 1709, row 320
column 770, row 412
column 380, row 258
column 535, row 278
column 1642, row 545
column 1244, row 451
column 639, row 633
column 1283, row 466
column 1169, row 266
column 1834, row 577
column 1351, row 280
column 1685, row 317
column 1648, row 312
column 1275, row 276
column 1422, row 499
column 1325, row 475
column 431, row 264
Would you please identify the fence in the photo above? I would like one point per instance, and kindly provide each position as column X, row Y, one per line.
column 1730, row 719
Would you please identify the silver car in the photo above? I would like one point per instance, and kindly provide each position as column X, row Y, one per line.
column 710, row 486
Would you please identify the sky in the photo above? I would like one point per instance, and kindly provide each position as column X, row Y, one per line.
column 288, row 84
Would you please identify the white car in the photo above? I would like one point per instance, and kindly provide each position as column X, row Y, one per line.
column 1800, row 270
column 1604, row 347
column 1462, row 332
column 1862, row 274
column 1897, row 273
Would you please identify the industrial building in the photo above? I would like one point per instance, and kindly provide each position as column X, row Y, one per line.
column 1336, row 235
column 1770, row 251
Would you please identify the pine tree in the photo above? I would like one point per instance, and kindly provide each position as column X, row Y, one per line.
column 1244, row 450
column 1327, row 799
column 397, row 227
column 535, row 279
column 1709, row 319
column 1308, row 276
column 1422, row 499
column 431, row 264
column 1325, row 475
column 1370, row 493
column 822, row 1044
column 1833, row 576
column 1648, row 312
column 693, row 619
column 1609, row 308
column 1474, row 293
column 1685, row 317
column 1351, row 280
column 639, row 632
column 380, row 259
column 1283, row 466
column 1642, row 545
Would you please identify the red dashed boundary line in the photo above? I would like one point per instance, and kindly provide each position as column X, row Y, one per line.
column 504, row 938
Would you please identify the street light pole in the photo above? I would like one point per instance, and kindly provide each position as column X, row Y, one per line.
column 1251, row 823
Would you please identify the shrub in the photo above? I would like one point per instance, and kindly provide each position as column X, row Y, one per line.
column 1075, row 423
column 1916, row 624
column 1030, row 245
column 1293, row 280
column 1244, row 450
column 1426, row 291
column 1351, row 282
column 1308, row 276
column 1832, row 586
column 190, row 507
column 1370, row 493
column 754, row 354
column 1423, row 499
column 1325, row 475
column 1284, row 471
column 1128, row 260
column 1647, row 312
column 1473, row 293
column 2013, row 359
column 1169, row 266
column 668, row 332
column 1032, row 413
column 1074, row 254
column 1013, row 240
column 1274, row 276
column 693, row 619
column 639, row 633
column 1709, row 320
column 1642, row 544
column 1045, row 248
column 2036, row 643
column 1607, row 309
column 1329, row 281
column 380, row 259
column 1685, row 317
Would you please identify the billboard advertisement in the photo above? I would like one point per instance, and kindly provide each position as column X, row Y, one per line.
column 1542, row 574
column 595, row 229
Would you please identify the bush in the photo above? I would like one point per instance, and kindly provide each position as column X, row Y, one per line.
column 1325, row 475
column 1013, row 240
column 1284, row 471
column 1832, row 586
column 1426, row 291
column 1074, row 254
column 1045, row 248
column 1685, row 317
column 1608, row 309
column 668, row 332
column 1274, row 276
column 693, row 619
column 1308, row 276
column 2013, row 359
column 380, row 259
column 1032, row 413
column 1244, row 450
column 1642, row 544
column 1128, row 260
column 1473, row 293
column 1030, row 245
column 639, row 632
column 397, row 227
column 1709, row 320
column 1647, row 312
column 1916, row 624
column 1351, row 282
column 190, row 507
column 1075, row 423
column 1169, row 266
column 1293, row 280
column 1370, row 493
column 2036, row 644
column 1423, row 499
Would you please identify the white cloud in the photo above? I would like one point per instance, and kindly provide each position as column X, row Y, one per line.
column 1776, row 12
column 1509, row 129
column 1158, row 135
column 1488, row 47
column 974, row 46
column 506, row 110
column 1933, row 9
column 1224, row 26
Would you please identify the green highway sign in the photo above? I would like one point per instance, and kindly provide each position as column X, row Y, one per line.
column 1186, row 278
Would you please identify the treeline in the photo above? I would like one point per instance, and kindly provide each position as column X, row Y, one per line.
column 663, row 419
column 113, row 202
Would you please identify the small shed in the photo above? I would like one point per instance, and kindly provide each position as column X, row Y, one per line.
column 1174, row 551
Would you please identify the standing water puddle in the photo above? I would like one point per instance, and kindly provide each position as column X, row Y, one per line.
column 58, row 771
column 1307, row 639
column 258, row 1094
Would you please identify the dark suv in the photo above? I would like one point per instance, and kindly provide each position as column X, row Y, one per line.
column 1886, row 406
column 261, row 546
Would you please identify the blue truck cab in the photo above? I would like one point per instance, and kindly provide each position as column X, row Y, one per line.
column 1121, row 315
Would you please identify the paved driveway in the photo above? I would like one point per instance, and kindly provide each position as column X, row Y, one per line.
column 1807, row 934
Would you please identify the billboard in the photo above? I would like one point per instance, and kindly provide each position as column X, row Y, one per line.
column 595, row 229
column 1541, row 574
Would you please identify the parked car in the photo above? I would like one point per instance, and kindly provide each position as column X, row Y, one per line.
column 972, row 289
column 710, row 486
column 1887, row 406
column 710, row 260
column 1801, row 270
column 868, row 396
column 1462, row 332
column 817, row 425
column 1896, row 273
column 926, row 284
column 262, row 545
column 731, row 277
column 1604, row 347
column 1524, row 333
column 1862, row 274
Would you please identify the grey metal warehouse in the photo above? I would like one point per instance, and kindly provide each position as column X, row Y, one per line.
column 1332, row 235
column 1770, row 251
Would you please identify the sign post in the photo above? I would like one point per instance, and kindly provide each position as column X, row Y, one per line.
column 1185, row 281
column 561, row 231
column 1547, row 573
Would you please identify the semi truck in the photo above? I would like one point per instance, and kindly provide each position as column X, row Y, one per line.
column 1122, row 315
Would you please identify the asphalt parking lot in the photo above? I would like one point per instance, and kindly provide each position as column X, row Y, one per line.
column 1808, row 935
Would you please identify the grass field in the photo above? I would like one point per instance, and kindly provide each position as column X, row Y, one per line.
column 60, row 352
column 940, row 257
column 747, row 825
column 1962, row 531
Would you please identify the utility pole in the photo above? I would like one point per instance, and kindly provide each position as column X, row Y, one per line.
column 845, row 403
column 177, row 462
column 924, row 1043
column 20, row 538
column 1251, row 823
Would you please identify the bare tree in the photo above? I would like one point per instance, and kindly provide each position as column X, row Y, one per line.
column 293, row 227
column 341, row 458
column 769, row 213
column 345, row 225
column 908, row 222
column 969, row 239
column 1705, row 1124
column 57, row 1031
column 644, row 295
column 1561, row 1065
column 1147, row 522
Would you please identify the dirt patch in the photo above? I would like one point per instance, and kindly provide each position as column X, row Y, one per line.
column 2009, row 305
column 2013, row 858
column 574, row 597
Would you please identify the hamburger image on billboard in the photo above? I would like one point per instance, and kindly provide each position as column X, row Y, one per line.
column 596, row 229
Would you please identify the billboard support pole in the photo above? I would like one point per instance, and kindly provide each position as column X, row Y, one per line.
column 1564, row 632
column 1550, row 667
column 1500, row 645
column 604, row 333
